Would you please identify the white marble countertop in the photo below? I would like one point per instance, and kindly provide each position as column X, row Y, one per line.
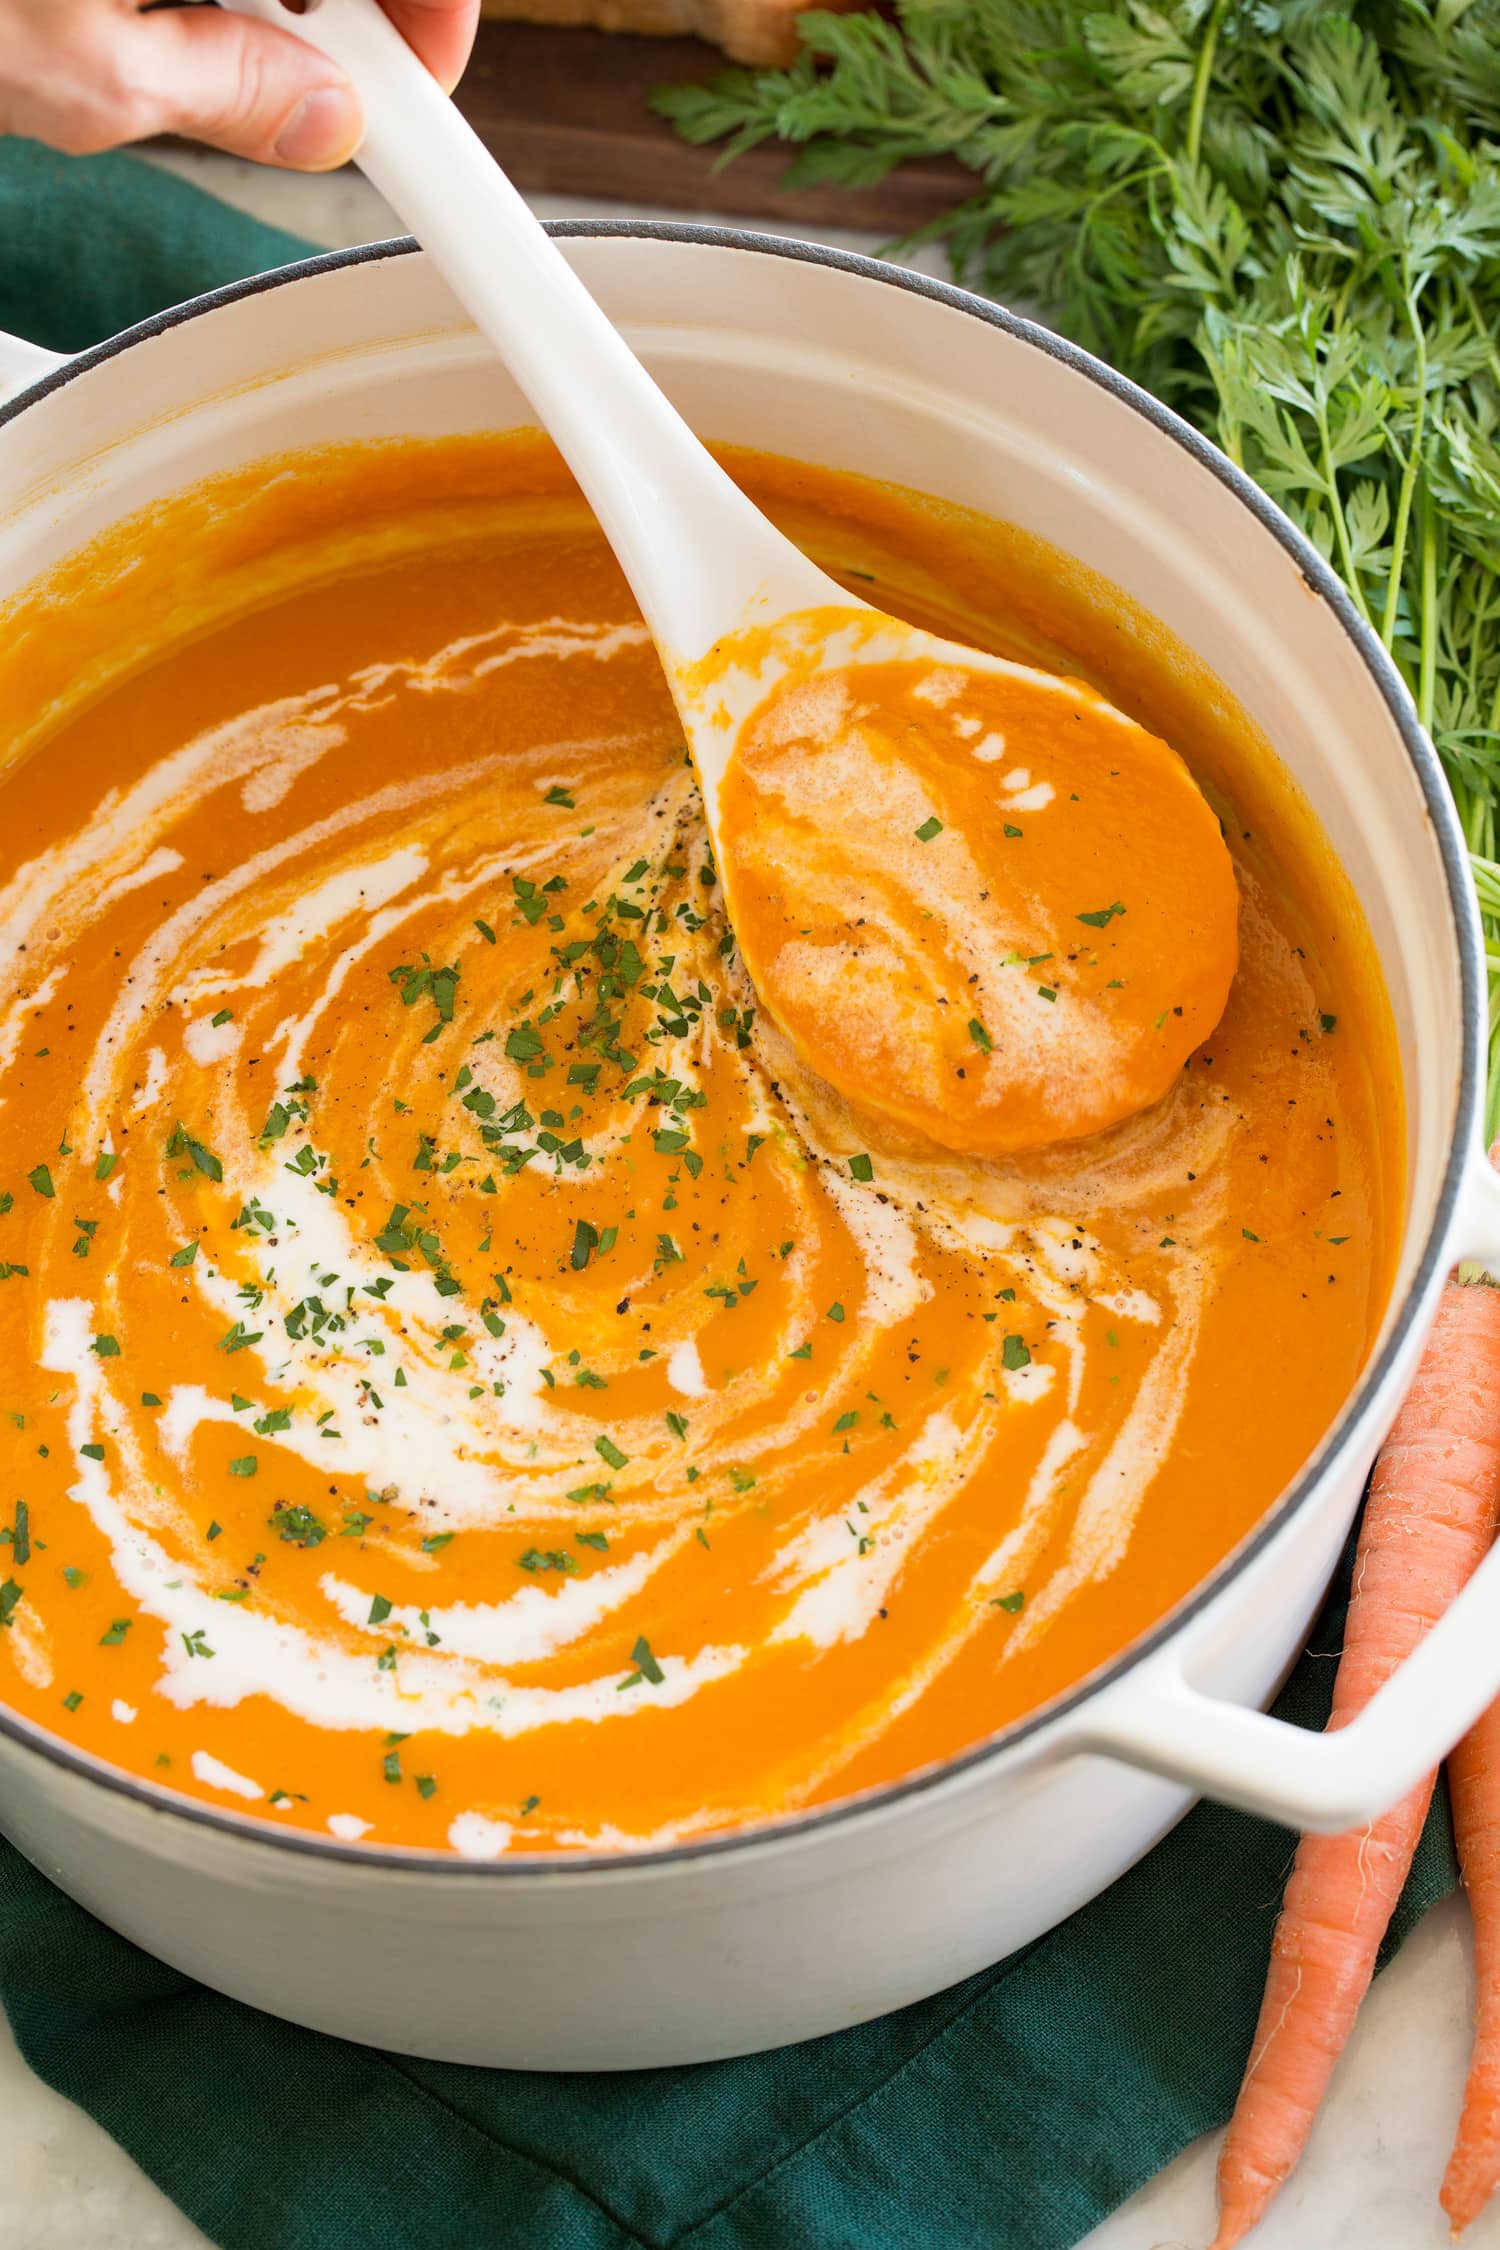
column 1370, row 2178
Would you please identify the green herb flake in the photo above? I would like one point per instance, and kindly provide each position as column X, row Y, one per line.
column 297, row 1525
column 646, row 1666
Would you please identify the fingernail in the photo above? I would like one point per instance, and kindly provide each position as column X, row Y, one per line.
column 323, row 130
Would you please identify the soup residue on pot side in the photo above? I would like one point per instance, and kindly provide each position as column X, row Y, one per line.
column 469, row 1386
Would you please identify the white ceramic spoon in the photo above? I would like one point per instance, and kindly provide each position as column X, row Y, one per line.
column 733, row 607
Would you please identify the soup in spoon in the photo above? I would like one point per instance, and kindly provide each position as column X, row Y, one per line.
column 977, row 898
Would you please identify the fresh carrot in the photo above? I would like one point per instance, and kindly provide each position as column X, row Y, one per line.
column 1474, row 1781
column 1429, row 1518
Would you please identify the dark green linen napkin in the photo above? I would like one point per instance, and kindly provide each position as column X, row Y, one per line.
column 1012, row 2113
column 92, row 244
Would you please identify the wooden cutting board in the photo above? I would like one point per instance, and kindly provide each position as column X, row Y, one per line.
column 566, row 112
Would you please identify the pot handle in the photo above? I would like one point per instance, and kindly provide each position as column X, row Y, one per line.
column 22, row 364
column 1327, row 1781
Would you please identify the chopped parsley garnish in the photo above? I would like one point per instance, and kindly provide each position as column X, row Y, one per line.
column 182, row 1143
column 297, row 1525
column 860, row 1168
column 1102, row 916
column 585, row 1243
column 646, row 1666
column 1014, row 1354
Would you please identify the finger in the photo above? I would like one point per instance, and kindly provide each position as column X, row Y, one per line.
column 247, row 87
column 441, row 31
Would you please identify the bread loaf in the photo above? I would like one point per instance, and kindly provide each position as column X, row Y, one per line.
column 751, row 31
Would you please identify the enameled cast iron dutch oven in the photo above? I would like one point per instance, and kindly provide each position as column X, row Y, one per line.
column 836, row 1915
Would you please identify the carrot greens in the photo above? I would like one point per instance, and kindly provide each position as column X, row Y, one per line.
column 1280, row 216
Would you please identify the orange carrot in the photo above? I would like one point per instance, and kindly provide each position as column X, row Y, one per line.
column 1428, row 1521
column 1474, row 1778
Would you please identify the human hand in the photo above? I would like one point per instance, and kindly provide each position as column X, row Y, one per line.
column 85, row 75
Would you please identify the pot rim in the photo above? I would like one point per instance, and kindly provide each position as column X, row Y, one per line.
column 1323, row 582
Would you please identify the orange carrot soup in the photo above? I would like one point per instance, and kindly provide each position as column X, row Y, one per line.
column 467, row 1384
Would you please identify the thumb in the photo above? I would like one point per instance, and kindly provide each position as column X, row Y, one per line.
column 247, row 87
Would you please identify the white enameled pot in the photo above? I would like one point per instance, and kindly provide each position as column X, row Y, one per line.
column 837, row 1915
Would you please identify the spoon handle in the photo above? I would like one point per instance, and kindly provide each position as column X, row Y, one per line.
column 699, row 556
